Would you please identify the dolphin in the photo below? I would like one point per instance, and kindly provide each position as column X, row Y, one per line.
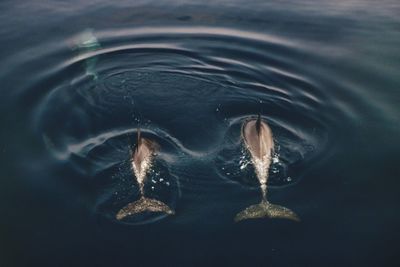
column 142, row 158
column 258, row 140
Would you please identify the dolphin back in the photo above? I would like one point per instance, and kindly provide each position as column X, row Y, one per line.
column 258, row 138
column 142, row 205
column 266, row 210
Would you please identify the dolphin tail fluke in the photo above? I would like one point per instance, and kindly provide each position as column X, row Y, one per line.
column 142, row 205
column 268, row 210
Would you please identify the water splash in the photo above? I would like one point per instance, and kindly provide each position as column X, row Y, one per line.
column 87, row 43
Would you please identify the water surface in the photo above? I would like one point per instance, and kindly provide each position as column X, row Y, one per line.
column 79, row 78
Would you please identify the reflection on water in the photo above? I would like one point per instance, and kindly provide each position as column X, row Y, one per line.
column 79, row 78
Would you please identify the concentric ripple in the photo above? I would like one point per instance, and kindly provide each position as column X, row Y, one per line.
column 190, row 89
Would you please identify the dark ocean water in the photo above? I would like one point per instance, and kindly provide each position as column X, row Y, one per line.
column 79, row 77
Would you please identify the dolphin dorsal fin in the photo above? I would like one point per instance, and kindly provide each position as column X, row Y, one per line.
column 138, row 139
column 258, row 124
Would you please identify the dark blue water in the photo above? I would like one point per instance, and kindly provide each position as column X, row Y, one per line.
column 77, row 78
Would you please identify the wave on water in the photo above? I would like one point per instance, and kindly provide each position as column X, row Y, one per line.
column 190, row 89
